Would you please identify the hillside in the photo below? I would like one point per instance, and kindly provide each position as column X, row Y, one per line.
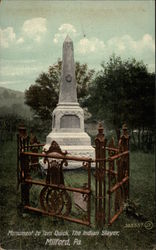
column 12, row 102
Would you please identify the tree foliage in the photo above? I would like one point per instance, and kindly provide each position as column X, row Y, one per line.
column 42, row 96
column 122, row 92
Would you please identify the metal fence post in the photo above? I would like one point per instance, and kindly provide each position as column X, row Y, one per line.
column 124, row 146
column 24, row 175
column 100, row 174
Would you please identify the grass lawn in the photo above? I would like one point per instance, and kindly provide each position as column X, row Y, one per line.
column 132, row 231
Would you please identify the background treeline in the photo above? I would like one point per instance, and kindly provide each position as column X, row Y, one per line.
column 121, row 92
column 13, row 110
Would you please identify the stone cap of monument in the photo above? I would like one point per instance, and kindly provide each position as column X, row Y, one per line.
column 68, row 39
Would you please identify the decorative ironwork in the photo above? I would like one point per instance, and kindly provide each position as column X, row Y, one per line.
column 55, row 201
column 54, row 147
column 52, row 199
column 111, row 178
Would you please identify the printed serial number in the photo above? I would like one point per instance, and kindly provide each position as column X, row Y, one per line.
column 134, row 225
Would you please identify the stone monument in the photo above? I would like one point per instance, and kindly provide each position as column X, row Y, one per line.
column 68, row 116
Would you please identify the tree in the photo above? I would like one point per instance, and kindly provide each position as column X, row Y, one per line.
column 123, row 91
column 42, row 97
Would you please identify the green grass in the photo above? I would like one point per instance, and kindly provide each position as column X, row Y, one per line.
column 141, row 192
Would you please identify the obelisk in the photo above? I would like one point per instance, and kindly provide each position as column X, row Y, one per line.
column 68, row 91
column 68, row 116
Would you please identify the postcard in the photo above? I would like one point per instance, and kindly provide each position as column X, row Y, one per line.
column 77, row 134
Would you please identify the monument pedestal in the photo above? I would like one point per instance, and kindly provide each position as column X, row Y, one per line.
column 68, row 131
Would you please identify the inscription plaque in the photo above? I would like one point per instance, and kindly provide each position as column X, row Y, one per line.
column 70, row 121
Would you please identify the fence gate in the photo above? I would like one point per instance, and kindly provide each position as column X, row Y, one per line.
column 46, row 191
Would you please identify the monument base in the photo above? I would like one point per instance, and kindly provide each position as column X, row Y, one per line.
column 76, row 144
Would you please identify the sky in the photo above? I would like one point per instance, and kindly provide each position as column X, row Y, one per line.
column 32, row 33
